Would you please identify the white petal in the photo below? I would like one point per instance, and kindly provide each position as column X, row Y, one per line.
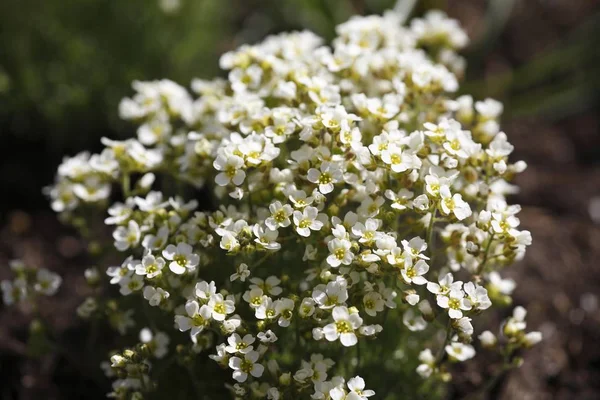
column 176, row 268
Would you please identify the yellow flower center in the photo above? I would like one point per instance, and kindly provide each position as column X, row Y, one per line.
column 343, row 326
column 339, row 254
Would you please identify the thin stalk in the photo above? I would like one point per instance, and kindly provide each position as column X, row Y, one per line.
column 486, row 254
column 430, row 236
column 442, row 349
column 126, row 185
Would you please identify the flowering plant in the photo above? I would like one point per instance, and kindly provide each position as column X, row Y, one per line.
column 323, row 215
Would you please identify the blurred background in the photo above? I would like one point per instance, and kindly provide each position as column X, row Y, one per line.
column 65, row 64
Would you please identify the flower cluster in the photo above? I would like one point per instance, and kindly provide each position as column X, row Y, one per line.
column 336, row 190
column 28, row 283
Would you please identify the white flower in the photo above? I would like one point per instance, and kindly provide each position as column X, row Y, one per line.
column 231, row 167
column 306, row 221
column 126, row 237
column 300, row 199
column 464, row 326
column 266, row 237
column 454, row 204
column 47, row 282
column 232, row 324
column 13, row 292
column 343, row 326
column 266, row 310
column 150, row 267
column 307, row 307
column 487, row 339
column 340, row 252
column 400, row 160
column 460, row 352
column 366, row 232
column 205, row 290
column 280, row 215
column 267, row 337
column 333, row 294
column 401, row 200
column 445, row 285
column 155, row 296
column 248, row 365
column 489, row 108
column 157, row 343
column 125, row 270
column 242, row 272
column 158, row 241
column 356, row 386
column 477, row 296
column 497, row 283
column 326, row 177
column 413, row 321
column 373, row 303
column 270, row 285
column 532, row 338
column 414, row 248
column 152, row 202
column 255, row 297
column 455, row 302
column 197, row 318
column 370, row 207
column 181, row 257
column 516, row 323
column 131, row 284
column 222, row 357
column 92, row 189
column 237, row 344
column 119, row 213
column 229, row 242
column 284, row 308
column 414, row 273
column 220, row 307
column 427, row 366
column 421, row 202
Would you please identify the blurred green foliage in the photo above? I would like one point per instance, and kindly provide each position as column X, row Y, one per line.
column 67, row 63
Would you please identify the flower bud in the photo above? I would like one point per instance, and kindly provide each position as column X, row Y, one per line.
column 317, row 334
column 285, row 379
column 487, row 339
column 128, row 353
column 532, row 338
column 426, row 310
column 410, row 296
column 92, row 276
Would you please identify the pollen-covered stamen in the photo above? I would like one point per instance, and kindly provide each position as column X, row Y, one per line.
column 454, row 303
column 180, row 259
column 343, row 327
column 455, row 145
column 340, row 254
column 246, row 366
column 279, row 216
column 325, row 178
column 220, row 308
column 305, row 223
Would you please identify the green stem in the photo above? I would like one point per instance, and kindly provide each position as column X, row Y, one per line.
column 357, row 356
column 430, row 236
column 126, row 185
column 442, row 349
column 486, row 254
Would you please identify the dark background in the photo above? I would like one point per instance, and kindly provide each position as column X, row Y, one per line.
column 65, row 64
